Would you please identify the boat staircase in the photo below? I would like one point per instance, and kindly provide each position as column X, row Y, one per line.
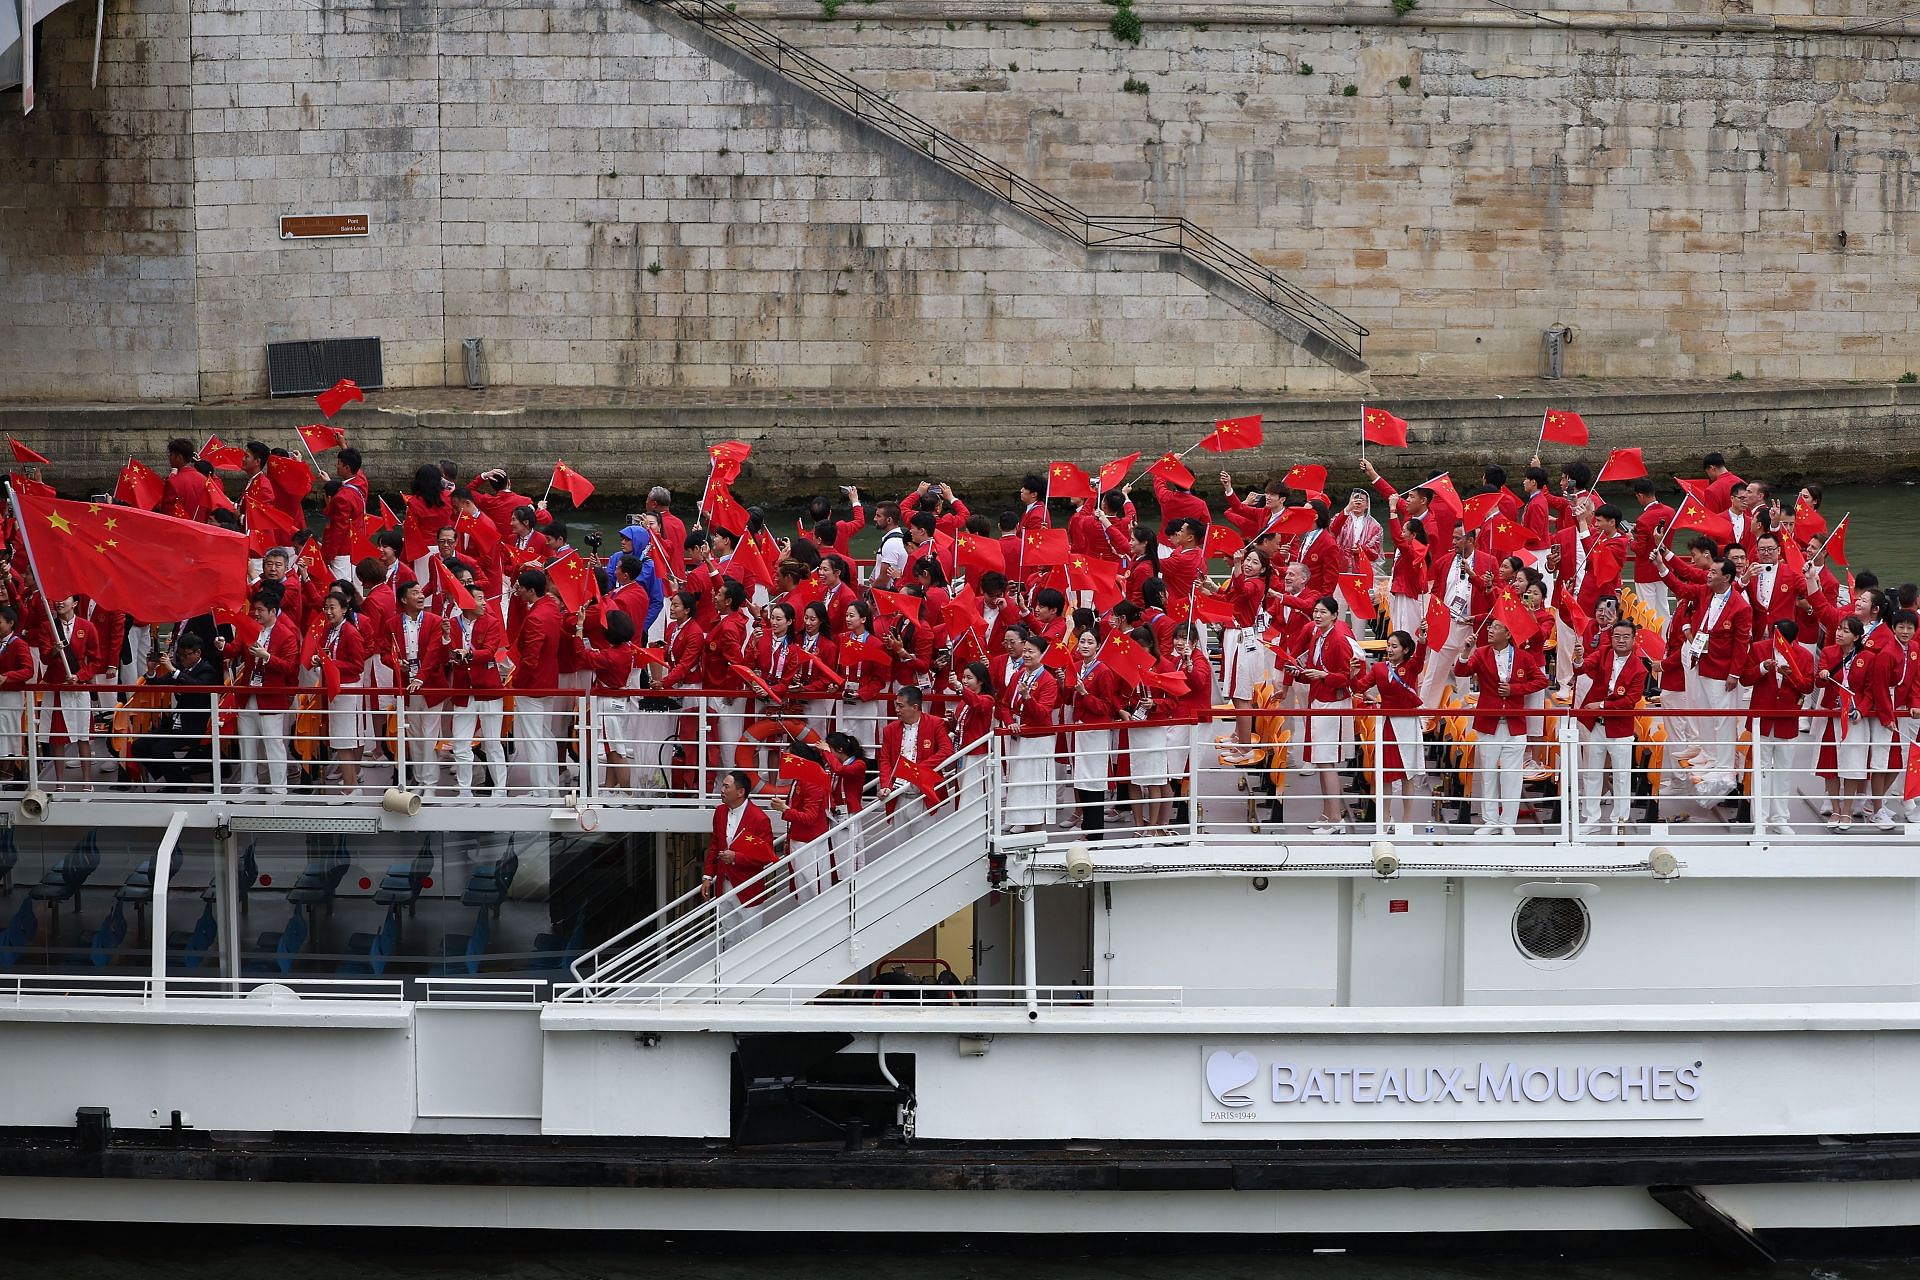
column 1169, row 243
column 772, row 938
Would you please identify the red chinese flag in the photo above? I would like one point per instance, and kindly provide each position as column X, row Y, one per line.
column 263, row 515
column 1057, row 656
column 291, row 476
column 1377, row 426
column 245, row 629
column 1169, row 468
column 222, row 456
column 1101, row 577
column 896, row 602
column 1310, row 476
column 27, row 484
column 385, row 518
column 319, row 437
column 1208, row 607
column 1479, row 509
column 336, row 397
column 475, row 530
column 1446, row 496
column 1788, row 654
column 1064, row 480
column 748, row 566
column 1229, row 434
column 977, row 554
column 753, row 680
column 1564, row 426
column 138, row 486
column 1115, row 472
column 1911, row 787
column 1621, row 464
column 1573, row 615
column 1357, row 590
column 574, row 581
column 962, row 616
column 1808, row 523
column 1695, row 489
column 727, row 457
column 799, row 769
column 1512, row 612
column 1041, row 548
column 311, row 565
column 1652, row 645
column 1168, row 681
column 573, row 484
column 23, row 454
column 152, row 566
column 445, row 584
column 924, row 777
column 1295, row 521
column 1223, row 540
column 1125, row 658
column 1692, row 515
column 723, row 511
column 1439, row 622
column 1836, row 546
column 1505, row 536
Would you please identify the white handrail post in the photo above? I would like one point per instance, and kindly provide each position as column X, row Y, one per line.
column 1380, row 732
column 1569, row 777
column 162, row 873
column 213, row 739
column 1195, row 734
column 400, row 740
column 1030, row 962
column 702, row 786
column 32, row 728
column 583, row 740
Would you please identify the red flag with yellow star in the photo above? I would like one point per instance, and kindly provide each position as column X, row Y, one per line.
column 152, row 566
column 1377, row 426
column 1229, row 434
column 1564, row 426
column 1064, row 480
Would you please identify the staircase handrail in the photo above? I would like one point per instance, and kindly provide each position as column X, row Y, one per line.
column 681, row 927
column 1106, row 231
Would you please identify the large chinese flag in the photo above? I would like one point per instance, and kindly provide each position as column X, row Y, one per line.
column 1564, row 426
column 1377, row 426
column 1229, row 434
column 152, row 566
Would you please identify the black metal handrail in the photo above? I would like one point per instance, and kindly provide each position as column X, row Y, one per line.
column 1124, row 232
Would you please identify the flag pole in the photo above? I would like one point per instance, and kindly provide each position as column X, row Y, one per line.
column 46, row 602
column 1538, row 444
column 1363, row 431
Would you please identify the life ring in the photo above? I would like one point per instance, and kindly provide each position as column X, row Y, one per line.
column 760, row 733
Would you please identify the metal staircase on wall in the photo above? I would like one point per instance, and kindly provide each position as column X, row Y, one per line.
column 917, row 869
column 1323, row 331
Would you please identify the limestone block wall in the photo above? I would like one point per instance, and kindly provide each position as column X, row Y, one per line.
column 96, row 212
column 1679, row 201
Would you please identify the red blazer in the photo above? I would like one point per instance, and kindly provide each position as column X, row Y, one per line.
column 866, row 664
column 783, row 667
column 476, row 667
column 1623, row 694
column 1096, row 694
column 725, row 644
column 536, row 646
column 1732, row 632
column 1789, row 584
column 430, row 662
column 1029, row 706
column 806, row 815
column 349, row 650
column 933, row 745
column 1323, row 560
column 346, row 509
column 1777, row 693
column 976, row 718
column 1523, row 678
column 16, row 661
column 1335, row 658
column 751, row 847
column 611, row 664
column 1410, row 561
column 85, row 643
column 278, row 674
column 1482, row 598
column 1399, row 688
column 686, row 645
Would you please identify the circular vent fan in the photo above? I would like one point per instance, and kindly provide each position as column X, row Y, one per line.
column 1550, row 928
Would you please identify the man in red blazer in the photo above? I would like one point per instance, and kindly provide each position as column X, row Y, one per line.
column 536, row 665
column 1780, row 674
column 741, row 848
column 269, row 670
column 469, row 646
column 1464, row 579
column 1616, row 681
column 1504, row 674
column 1715, row 649
column 16, row 672
column 915, row 736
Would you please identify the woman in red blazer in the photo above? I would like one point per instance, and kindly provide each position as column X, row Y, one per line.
column 1395, row 684
column 1850, row 685
column 472, row 641
column 815, row 673
column 1325, row 664
column 1029, row 704
column 1504, row 676
column 1780, row 674
column 1613, row 678
column 865, row 669
column 805, row 810
column 1093, row 696
column 337, row 656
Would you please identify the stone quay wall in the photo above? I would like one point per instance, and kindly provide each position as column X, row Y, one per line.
column 1697, row 187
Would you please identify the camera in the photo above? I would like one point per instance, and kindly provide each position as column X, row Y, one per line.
column 593, row 542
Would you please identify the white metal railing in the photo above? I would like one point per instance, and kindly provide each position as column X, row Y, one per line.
column 888, row 842
column 17, row 989
column 962, row 996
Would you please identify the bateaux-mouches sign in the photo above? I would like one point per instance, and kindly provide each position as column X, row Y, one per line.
column 1239, row 1085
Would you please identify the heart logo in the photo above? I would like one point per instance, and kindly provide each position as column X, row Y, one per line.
column 1227, row 1073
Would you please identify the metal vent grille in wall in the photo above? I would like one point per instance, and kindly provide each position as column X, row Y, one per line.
column 1551, row 928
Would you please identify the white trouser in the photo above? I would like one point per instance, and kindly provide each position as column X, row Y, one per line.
column 478, row 719
column 70, row 710
column 1772, row 779
column 1406, row 613
column 424, row 725
column 1601, row 758
column 1498, row 760
column 1029, row 797
column 341, row 567
column 13, row 710
column 139, row 637
column 263, row 740
column 812, row 869
column 729, row 724
column 1654, row 592
column 1439, row 669
column 1717, row 733
column 534, row 728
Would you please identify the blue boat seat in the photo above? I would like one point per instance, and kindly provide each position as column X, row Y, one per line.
column 280, row 948
column 65, row 877
column 139, row 883
column 195, row 948
column 377, row 947
column 461, row 953
column 108, row 937
column 19, row 934
column 9, row 859
column 404, row 881
column 320, row 880
column 489, row 884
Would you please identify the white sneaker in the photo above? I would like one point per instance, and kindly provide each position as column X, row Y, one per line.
column 1486, row 830
column 1508, row 831
column 1781, row 829
column 1883, row 818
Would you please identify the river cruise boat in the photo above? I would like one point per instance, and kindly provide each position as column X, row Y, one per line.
column 398, row 1005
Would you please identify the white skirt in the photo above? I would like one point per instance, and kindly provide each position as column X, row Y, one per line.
column 1329, row 738
column 1092, row 757
column 1247, row 662
column 1147, row 754
column 1410, row 743
column 1029, row 800
column 615, row 717
column 346, row 728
